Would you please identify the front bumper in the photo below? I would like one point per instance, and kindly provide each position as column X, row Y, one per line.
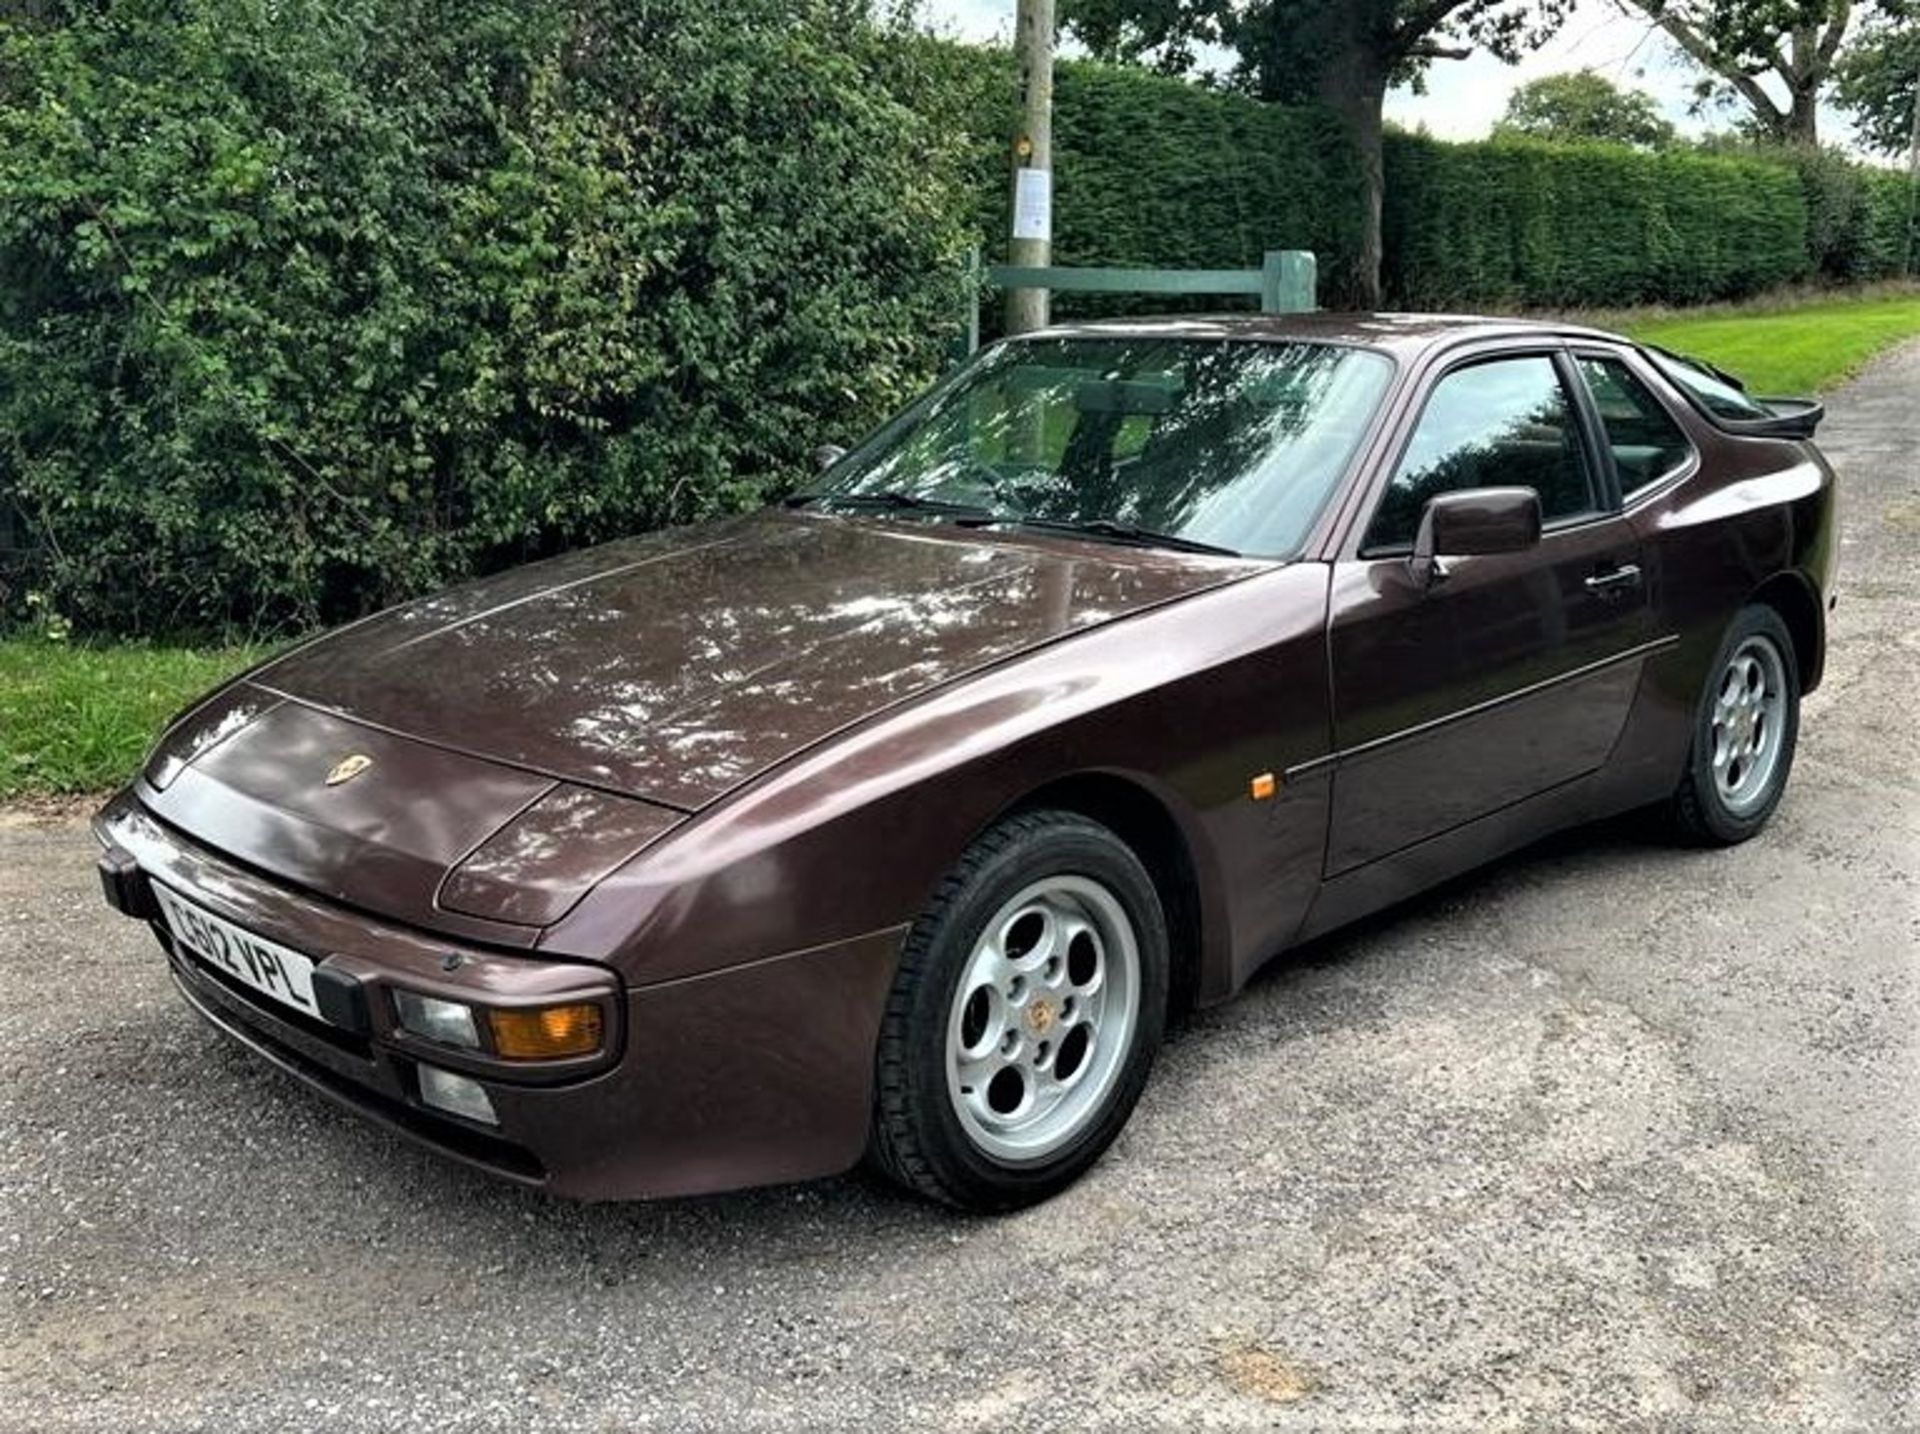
column 750, row 1075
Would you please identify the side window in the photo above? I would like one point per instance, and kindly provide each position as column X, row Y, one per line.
column 1647, row 444
column 1503, row 423
column 1710, row 390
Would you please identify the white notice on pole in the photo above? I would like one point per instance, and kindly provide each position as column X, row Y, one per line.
column 1033, row 203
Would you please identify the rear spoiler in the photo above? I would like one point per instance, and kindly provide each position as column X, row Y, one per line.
column 1788, row 418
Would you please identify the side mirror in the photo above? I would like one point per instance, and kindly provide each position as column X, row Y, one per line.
column 1471, row 522
column 827, row 454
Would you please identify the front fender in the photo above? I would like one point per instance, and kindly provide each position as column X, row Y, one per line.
column 1188, row 702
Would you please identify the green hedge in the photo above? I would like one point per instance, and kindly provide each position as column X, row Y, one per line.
column 1161, row 173
column 1174, row 176
column 1891, row 233
column 1870, row 228
column 1513, row 222
column 306, row 305
column 1154, row 172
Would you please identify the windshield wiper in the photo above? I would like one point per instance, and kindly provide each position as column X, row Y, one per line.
column 1112, row 530
column 975, row 515
column 893, row 500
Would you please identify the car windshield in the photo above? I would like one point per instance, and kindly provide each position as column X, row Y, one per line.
column 1206, row 444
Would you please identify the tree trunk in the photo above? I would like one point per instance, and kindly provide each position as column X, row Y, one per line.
column 1803, row 73
column 1354, row 86
column 1801, row 124
column 1339, row 53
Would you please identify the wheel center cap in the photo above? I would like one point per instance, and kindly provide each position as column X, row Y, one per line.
column 1040, row 1017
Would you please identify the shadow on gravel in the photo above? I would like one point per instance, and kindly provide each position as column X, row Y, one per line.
column 1573, row 855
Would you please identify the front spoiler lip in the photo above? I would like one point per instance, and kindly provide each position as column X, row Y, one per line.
column 469, row 1145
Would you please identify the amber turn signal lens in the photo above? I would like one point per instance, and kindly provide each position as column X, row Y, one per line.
column 546, row 1032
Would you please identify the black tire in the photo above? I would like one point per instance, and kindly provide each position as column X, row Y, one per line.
column 919, row 1138
column 1699, row 812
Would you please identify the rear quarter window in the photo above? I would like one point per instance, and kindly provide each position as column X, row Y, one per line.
column 1710, row 392
column 1647, row 445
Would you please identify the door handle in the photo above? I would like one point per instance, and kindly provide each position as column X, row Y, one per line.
column 1615, row 580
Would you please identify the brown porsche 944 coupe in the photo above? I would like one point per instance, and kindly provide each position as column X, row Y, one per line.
column 894, row 819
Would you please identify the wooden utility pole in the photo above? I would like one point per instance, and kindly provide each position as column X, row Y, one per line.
column 1032, row 239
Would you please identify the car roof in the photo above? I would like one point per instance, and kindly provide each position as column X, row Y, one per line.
column 1404, row 334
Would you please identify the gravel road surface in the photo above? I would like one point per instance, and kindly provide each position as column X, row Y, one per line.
column 1609, row 1136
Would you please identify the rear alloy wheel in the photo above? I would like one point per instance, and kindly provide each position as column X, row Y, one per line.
column 1024, row 1018
column 1744, row 734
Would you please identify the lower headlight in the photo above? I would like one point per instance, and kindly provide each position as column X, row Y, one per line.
column 456, row 1094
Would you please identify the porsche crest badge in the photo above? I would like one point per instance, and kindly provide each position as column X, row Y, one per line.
column 348, row 767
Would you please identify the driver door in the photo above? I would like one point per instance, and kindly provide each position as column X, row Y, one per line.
column 1513, row 673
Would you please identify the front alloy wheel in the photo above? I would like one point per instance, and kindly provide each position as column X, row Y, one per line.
column 1042, row 1019
column 1024, row 1017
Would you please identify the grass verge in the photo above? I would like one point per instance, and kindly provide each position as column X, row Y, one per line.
column 75, row 718
column 1797, row 349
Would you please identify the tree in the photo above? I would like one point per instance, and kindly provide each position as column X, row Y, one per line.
column 1343, row 54
column 1585, row 106
column 1739, row 42
column 1879, row 76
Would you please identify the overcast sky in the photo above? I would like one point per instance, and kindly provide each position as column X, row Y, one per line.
column 1465, row 97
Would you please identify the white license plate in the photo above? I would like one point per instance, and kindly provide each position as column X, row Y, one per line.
column 266, row 966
